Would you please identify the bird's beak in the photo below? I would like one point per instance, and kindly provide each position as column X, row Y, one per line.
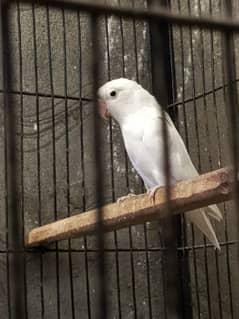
column 102, row 108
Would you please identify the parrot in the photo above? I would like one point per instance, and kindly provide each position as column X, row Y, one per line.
column 140, row 118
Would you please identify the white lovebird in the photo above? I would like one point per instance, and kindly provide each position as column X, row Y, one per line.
column 140, row 119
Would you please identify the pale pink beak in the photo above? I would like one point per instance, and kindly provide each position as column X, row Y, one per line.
column 104, row 113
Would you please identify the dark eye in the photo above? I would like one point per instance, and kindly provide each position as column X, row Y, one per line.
column 113, row 93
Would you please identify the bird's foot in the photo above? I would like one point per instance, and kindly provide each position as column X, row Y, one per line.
column 123, row 198
column 151, row 192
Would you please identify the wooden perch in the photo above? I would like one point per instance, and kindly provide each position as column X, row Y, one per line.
column 210, row 188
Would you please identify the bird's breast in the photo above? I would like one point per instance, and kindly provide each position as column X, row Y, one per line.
column 134, row 126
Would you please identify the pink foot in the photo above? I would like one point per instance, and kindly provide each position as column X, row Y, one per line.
column 151, row 192
column 123, row 198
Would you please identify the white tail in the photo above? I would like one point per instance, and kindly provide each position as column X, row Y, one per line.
column 200, row 219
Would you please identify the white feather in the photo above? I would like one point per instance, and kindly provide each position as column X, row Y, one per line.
column 140, row 119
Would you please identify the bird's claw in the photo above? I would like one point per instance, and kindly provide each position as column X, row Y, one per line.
column 151, row 192
column 123, row 198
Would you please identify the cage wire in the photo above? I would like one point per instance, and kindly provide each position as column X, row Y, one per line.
column 58, row 159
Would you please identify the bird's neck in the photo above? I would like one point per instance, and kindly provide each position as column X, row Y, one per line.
column 139, row 118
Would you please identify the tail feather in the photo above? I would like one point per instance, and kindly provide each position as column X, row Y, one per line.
column 214, row 212
column 200, row 219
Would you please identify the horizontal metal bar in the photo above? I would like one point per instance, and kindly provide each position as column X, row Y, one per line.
column 91, row 99
column 201, row 95
column 153, row 14
column 120, row 250
column 207, row 189
column 49, row 95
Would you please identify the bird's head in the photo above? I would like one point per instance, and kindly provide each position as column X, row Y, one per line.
column 120, row 98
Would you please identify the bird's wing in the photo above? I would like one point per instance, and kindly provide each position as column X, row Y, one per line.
column 142, row 157
column 145, row 146
column 180, row 161
column 181, row 168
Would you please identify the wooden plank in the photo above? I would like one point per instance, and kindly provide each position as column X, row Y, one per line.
column 210, row 188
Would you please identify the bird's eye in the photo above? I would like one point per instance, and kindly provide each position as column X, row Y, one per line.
column 113, row 93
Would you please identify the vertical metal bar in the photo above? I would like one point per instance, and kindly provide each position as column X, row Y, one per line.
column 112, row 177
column 183, row 254
column 161, row 76
column 17, row 303
column 53, row 149
column 207, row 133
column 220, row 158
column 199, row 160
column 38, row 148
column 67, row 158
column 202, row 57
column 232, row 103
column 2, row 57
column 127, row 180
column 82, row 163
column 132, row 258
column 22, row 148
column 142, row 186
column 98, row 169
column 156, row 60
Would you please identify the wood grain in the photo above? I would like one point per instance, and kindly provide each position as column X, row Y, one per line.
column 210, row 188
